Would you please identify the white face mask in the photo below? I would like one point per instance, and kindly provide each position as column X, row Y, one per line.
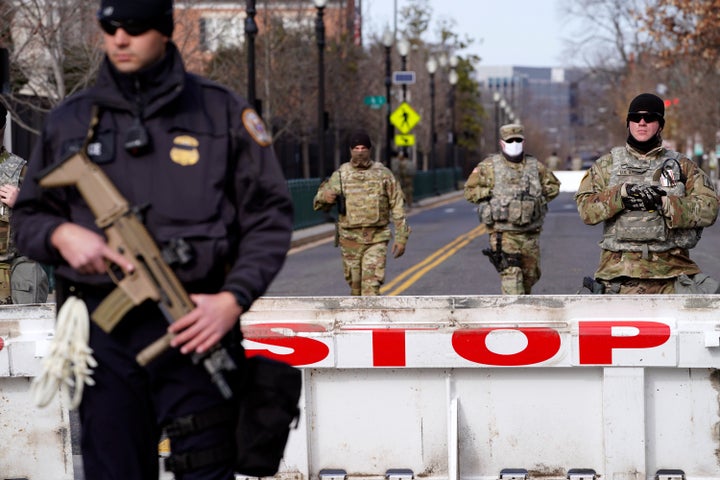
column 512, row 149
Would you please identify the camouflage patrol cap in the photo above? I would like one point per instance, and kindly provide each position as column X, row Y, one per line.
column 512, row 130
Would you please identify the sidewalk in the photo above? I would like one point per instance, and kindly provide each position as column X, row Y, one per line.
column 326, row 230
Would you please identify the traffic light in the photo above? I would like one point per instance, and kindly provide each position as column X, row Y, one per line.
column 671, row 101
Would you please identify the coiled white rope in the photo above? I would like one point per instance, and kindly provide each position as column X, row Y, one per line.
column 69, row 362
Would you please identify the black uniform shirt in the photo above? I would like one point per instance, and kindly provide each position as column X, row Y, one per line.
column 208, row 176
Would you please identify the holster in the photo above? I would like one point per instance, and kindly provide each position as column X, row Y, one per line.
column 502, row 260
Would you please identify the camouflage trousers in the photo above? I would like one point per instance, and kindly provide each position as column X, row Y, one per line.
column 407, row 188
column 5, row 291
column 516, row 280
column 364, row 266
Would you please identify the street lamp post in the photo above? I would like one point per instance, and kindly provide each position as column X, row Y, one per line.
column 403, row 47
column 251, row 29
column 387, row 40
column 453, row 79
column 320, row 36
column 496, row 99
column 432, row 68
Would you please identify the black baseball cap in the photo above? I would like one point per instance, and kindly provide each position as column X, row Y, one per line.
column 136, row 16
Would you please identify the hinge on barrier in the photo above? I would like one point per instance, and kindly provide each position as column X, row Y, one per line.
column 670, row 474
column 581, row 474
column 513, row 474
column 332, row 474
column 399, row 474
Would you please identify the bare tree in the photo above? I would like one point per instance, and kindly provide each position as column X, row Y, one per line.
column 683, row 28
column 53, row 50
column 686, row 44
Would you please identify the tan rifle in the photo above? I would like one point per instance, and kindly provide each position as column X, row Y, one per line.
column 152, row 279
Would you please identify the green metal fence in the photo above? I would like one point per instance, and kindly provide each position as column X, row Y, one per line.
column 303, row 191
column 427, row 184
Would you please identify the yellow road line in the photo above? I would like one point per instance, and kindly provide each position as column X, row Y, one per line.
column 436, row 258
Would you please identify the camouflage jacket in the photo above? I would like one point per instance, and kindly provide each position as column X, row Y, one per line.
column 517, row 202
column 373, row 198
column 599, row 200
column 11, row 170
column 403, row 168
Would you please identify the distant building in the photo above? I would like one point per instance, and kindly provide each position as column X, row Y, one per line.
column 562, row 108
column 203, row 27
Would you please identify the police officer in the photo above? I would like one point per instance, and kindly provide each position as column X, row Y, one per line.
column 512, row 190
column 369, row 197
column 21, row 279
column 653, row 203
column 198, row 160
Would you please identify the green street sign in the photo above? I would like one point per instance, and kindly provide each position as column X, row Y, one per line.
column 375, row 101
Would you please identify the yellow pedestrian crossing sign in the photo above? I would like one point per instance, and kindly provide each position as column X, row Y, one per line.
column 404, row 118
column 407, row 140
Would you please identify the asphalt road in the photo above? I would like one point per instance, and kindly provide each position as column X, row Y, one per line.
column 444, row 256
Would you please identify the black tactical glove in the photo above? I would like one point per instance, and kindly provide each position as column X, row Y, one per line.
column 647, row 198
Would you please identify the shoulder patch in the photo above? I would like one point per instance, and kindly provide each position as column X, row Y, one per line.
column 256, row 127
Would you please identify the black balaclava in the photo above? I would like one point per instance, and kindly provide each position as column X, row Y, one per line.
column 646, row 102
column 360, row 159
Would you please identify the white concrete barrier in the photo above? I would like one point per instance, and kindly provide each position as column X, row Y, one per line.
column 470, row 387
column 569, row 179
column 35, row 442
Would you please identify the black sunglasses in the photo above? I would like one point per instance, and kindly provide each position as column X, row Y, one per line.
column 131, row 27
column 649, row 117
column 513, row 140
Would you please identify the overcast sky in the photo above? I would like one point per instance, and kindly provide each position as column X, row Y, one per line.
column 506, row 32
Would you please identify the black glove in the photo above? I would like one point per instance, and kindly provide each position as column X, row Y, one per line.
column 647, row 198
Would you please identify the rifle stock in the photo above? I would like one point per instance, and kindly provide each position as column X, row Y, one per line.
column 152, row 278
column 102, row 197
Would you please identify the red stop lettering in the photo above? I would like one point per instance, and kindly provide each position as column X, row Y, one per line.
column 597, row 342
column 543, row 344
column 388, row 348
column 305, row 351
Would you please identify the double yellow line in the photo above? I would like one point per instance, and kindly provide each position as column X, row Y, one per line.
column 403, row 281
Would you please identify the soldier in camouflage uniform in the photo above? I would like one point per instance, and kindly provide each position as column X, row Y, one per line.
column 512, row 190
column 404, row 170
column 368, row 197
column 21, row 279
column 654, row 203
